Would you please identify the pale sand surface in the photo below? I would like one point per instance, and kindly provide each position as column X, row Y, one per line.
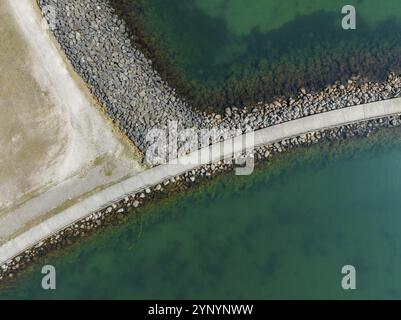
column 55, row 144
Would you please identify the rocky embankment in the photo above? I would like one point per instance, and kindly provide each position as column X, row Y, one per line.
column 137, row 99
column 336, row 96
column 118, row 75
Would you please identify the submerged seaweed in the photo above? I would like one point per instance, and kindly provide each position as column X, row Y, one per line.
column 213, row 68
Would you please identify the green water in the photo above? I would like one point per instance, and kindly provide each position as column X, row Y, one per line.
column 233, row 52
column 284, row 232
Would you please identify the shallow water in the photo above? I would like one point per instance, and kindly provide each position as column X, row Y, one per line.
column 284, row 232
column 233, row 52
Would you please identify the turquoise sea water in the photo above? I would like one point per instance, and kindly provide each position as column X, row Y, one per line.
column 284, row 232
column 232, row 52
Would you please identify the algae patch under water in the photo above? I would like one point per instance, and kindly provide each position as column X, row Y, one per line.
column 284, row 232
column 229, row 52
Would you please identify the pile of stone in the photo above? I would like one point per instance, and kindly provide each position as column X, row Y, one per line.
column 119, row 76
column 137, row 99
column 281, row 110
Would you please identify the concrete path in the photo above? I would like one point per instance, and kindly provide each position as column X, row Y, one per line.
column 210, row 154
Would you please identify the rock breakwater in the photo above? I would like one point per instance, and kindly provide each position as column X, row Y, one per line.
column 96, row 41
column 118, row 75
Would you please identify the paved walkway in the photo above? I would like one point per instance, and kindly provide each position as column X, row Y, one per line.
column 160, row 173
